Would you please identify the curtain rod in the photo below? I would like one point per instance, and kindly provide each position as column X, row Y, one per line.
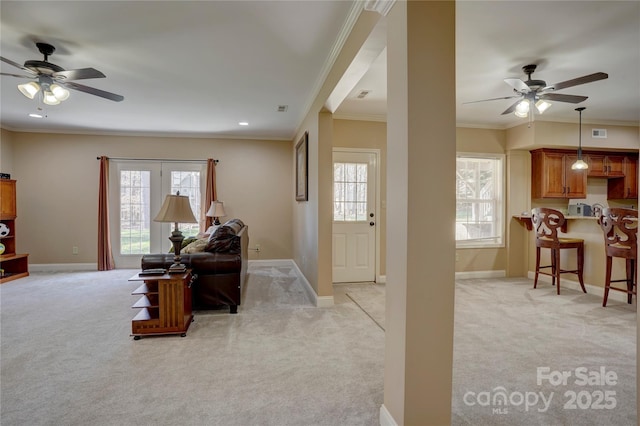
column 158, row 159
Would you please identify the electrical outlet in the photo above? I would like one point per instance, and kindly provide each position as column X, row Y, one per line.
column 74, row 250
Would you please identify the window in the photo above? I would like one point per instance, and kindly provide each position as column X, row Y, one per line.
column 479, row 200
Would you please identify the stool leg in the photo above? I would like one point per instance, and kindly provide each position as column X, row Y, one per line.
column 553, row 267
column 556, row 269
column 581, row 266
column 535, row 281
column 607, row 283
column 630, row 268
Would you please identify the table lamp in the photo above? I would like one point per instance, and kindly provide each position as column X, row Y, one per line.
column 176, row 209
column 216, row 210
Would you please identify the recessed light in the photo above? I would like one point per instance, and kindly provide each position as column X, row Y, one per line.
column 35, row 115
column 244, row 123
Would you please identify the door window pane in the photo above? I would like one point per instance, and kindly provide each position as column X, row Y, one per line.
column 349, row 192
column 135, row 218
column 188, row 183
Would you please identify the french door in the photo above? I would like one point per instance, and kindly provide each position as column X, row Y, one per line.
column 137, row 191
column 354, row 216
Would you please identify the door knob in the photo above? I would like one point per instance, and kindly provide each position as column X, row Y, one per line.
column 370, row 214
column 371, row 223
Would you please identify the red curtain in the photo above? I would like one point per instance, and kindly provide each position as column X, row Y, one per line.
column 210, row 194
column 105, row 257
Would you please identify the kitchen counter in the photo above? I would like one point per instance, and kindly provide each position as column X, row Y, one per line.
column 525, row 220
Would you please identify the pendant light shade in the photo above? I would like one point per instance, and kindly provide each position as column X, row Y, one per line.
column 580, row 164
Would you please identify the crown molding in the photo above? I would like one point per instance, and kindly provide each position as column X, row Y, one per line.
column 381, row 6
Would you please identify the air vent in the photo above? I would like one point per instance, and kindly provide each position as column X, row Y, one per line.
column 363, row 94
column 283, row 108
column 599, row 133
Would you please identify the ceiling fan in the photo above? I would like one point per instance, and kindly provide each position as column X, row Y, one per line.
column 537, row 92
column 54, row 80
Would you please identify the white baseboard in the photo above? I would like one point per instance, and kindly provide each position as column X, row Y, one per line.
column 381, row 279
column 62, row 267
column 575, row 285
column 386, row 419
column 480, row 274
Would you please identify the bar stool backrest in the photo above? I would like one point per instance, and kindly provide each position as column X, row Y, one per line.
column 546, row 223
column 620, row 230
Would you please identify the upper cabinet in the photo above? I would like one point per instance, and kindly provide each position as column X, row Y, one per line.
column 605, row 165
column 625, row 187
column 552, row 176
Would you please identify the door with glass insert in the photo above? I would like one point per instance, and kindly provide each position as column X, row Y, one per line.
column 354, row 216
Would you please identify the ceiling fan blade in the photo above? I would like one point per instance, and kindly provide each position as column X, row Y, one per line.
column 79, row 74
column 17, row 65
column 576, row 81
column 94, row 91
column 17, row 75
column 518, row 84
column 511, row 108
column 492, row 99
column 573, row 99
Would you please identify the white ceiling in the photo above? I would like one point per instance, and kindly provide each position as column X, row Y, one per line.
column 198, row 68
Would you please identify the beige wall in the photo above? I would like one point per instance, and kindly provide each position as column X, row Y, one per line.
column 57, row 177
column 488, row 141
column 566, row 135
column 312, row 219
column 368, row 135
column 6, row 151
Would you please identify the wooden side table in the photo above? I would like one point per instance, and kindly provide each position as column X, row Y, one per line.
column 164, row 303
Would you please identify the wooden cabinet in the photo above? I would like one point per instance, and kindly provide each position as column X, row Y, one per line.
column 625, row 187
column 164, row 303
column 552, row 176
column 12, row 265
column 605, row 165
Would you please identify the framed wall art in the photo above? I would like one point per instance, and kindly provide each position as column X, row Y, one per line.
column 302, row 164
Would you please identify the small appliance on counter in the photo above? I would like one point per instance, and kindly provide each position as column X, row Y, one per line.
column 579, row 209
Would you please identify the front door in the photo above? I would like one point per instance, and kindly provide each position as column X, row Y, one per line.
column 354, row 216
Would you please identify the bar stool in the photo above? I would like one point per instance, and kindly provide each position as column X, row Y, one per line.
column 620, row 229
column 546, row 223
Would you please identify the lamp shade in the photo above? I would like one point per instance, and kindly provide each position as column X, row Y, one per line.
column 176, row 208
column 216, row 209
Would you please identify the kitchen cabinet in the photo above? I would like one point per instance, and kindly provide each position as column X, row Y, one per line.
column 552, row 176
column 605, row 165
column 625, row 187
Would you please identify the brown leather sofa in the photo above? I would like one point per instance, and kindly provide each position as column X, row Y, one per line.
column 221, row 274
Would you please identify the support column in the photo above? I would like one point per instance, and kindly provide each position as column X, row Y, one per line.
column 421, row 143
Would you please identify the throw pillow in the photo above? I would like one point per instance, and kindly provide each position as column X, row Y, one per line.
column 225, row 239
column 196, row 247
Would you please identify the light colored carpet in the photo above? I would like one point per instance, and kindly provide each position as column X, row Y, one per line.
column 370, row 298
column 67, row 357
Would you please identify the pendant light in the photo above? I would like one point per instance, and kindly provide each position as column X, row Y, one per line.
column 580, row 164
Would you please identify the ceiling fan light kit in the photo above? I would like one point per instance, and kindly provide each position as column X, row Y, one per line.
column 538, row 93
column 53, row 80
